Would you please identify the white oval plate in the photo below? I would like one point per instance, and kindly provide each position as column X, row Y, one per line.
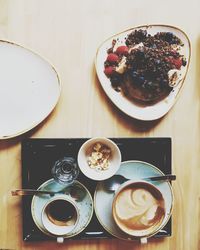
column 145, row 112
column 29, row 87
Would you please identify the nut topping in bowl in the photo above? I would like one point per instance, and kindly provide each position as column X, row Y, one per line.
column 99, row 158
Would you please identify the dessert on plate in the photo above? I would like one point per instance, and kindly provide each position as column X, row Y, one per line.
column 145, row 67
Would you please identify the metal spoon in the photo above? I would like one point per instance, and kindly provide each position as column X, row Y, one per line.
column 113, row 183
column 22, row 192
column 75, row 191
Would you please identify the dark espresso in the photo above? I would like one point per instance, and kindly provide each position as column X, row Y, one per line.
column 61, row 211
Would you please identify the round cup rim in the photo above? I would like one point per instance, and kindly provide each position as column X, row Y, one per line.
column 124, row 185
column 60, row 198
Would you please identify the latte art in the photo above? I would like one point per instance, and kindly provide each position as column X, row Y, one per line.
column 139, row 208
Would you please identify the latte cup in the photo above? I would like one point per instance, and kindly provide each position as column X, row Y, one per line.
column 139, row 209
column 60, row 216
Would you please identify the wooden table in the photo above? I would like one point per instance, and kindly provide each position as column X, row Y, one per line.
column 67, row 33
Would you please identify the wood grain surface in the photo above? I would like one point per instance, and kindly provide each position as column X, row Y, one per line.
column 67, row 33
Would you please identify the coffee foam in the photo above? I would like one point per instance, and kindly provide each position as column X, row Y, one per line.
column 139, row 209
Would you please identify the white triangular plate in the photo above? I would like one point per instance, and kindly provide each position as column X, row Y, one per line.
column 142, row 112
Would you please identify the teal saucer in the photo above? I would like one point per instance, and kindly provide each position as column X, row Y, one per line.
column 135, row 170
column 83, row 202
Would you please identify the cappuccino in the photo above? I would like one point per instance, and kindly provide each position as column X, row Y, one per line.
column 139, row 209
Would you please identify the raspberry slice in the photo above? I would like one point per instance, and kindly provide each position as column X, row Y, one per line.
column 112, row 58
column 109, row 70
column 177, row 63
column 122, row 50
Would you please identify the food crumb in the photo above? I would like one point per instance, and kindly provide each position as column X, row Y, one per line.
column 99, row 157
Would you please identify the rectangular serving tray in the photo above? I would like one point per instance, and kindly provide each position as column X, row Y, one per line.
column 39, row 155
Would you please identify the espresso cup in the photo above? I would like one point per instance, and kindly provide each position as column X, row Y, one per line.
column 60, row 216
column 139, row 209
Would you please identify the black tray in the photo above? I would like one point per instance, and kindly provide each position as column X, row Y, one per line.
column 39, row 155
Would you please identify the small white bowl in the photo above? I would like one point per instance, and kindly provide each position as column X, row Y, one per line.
column 114, row 159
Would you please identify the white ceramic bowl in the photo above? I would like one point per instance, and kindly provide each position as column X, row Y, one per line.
column 114, row 159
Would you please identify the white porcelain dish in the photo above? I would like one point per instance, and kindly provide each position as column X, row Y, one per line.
column 29, row 87
column 142, row 112
column 114, row 160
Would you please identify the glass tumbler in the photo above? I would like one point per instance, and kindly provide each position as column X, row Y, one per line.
column 65, row 171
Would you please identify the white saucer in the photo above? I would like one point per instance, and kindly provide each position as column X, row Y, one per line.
column 135, row 170
column 84, row 205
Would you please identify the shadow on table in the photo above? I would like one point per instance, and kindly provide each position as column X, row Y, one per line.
column 197, row 63
column 90, row 244
column 10, row 142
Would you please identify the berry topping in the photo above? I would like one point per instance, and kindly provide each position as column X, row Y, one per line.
column 140, row 67
column 122, row 50
column 109, row 70
column 112, row 58
column 177, row 63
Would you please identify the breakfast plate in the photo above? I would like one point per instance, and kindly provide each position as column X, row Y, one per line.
column 114, row 55
column 135, row 170
column 84, row 205
column 30, row 89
